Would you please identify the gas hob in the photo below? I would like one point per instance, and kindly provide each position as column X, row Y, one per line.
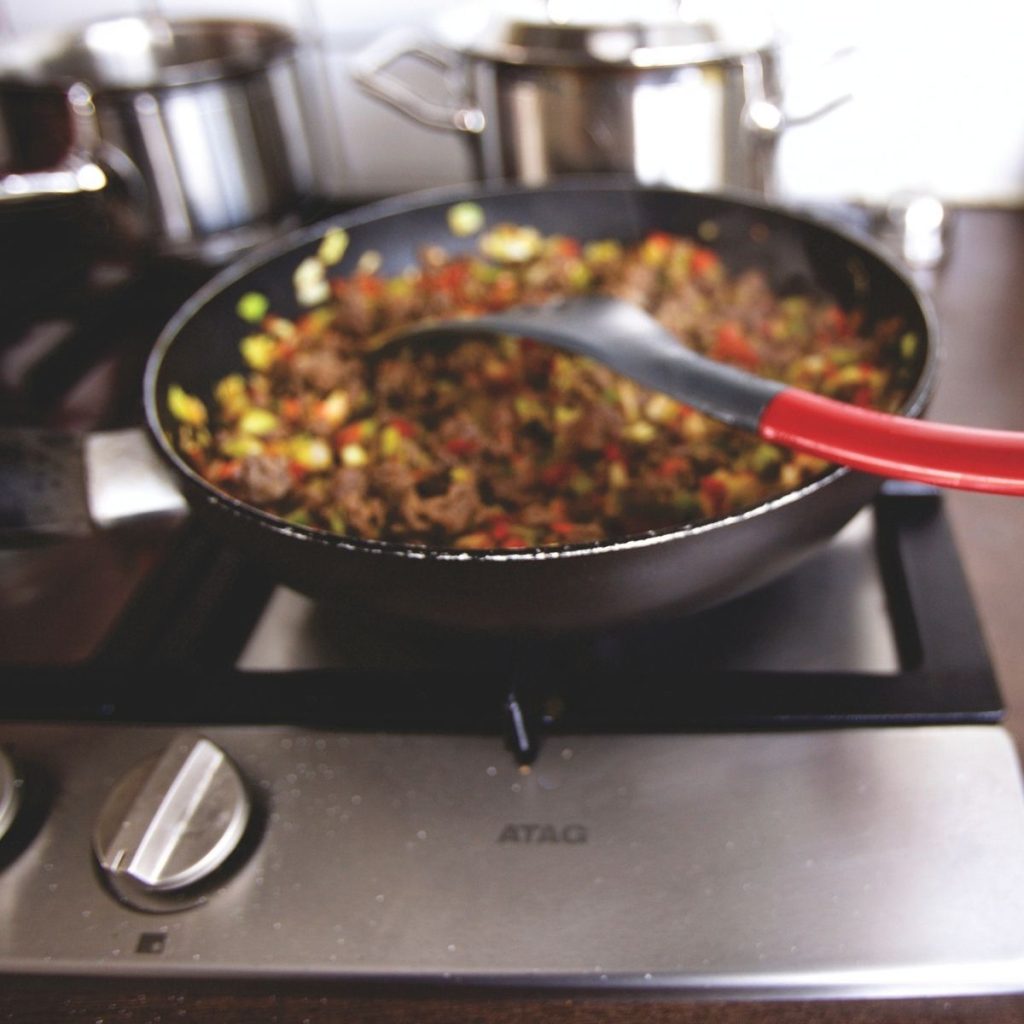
column 807, row 792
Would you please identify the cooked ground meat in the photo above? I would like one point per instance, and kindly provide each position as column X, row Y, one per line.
column 264, row 478
column 508, row 443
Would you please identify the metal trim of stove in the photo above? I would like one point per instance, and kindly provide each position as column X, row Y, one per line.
column 820, row 863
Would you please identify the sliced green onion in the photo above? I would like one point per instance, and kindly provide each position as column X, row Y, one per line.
column 581, row 484
column 641, row 432
column 335, row 520
column 333, row 246
column 258, row 350
column 511, row 243
column 370, row 262
column 528, row 408
column 578, row 275
column 333, row 409
column 310, row 282
column 604, row 251
column 618, row 475
column 252, row 307
column 241, row 446
column 765, row 457
column 312, row 453
column 390, row 440
column 465, row 219
column 354, row 456
column 259, row 422
column 185, row 407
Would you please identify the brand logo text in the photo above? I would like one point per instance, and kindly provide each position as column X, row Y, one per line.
column 537, row 833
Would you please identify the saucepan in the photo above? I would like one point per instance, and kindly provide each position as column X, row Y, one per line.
column 192, row 131
column 579, row 585
column 691, row 96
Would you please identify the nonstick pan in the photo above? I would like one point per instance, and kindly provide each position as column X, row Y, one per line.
column 669, row 571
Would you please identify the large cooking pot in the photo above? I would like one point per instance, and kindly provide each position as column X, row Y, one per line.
column 193, row 129
column 583, row 585
column 691, row 99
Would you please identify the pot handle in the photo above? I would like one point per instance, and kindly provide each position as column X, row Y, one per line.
column 768, row 116
column 78, row 172
column 56, row 483
column 838, row 95
column 370, row 71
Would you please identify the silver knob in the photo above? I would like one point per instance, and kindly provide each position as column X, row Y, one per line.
column 9, row 794
column 170, row 823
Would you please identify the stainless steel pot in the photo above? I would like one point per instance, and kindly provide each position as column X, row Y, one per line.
column 686, row 101
column 194, row 128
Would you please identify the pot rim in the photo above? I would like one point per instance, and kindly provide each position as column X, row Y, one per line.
column 526, row 35
column 145, row 52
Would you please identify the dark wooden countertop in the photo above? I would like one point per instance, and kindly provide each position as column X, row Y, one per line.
column 979, row 296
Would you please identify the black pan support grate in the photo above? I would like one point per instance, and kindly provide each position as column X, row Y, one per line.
column 173, row 659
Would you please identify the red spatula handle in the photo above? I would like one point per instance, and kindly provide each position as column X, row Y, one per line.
column 896, row 446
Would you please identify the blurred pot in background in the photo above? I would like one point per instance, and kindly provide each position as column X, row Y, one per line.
column 689, row 98
column 50, row 242
column 191, row 131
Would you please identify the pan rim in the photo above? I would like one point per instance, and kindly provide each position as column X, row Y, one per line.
column 445, row 196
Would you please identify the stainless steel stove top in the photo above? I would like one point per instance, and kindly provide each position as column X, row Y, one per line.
column 821, row 863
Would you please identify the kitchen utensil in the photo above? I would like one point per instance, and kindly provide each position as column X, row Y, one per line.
column 576, row 585
column 626, row 338
column 193, row 129
column 674, row 96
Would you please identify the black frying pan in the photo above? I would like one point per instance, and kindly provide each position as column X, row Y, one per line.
column 676, row 571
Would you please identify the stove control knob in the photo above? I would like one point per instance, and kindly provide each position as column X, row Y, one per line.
column 170, row 824
column 9, row 790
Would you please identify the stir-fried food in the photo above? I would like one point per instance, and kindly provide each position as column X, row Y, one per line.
column 508, row 443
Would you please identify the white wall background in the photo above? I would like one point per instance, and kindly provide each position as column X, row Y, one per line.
column 938, row 94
